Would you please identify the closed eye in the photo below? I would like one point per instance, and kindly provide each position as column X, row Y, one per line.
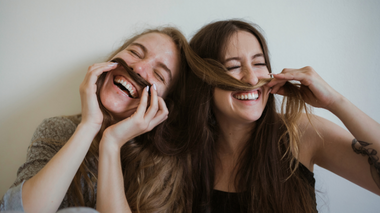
column 260, row 64
column 135, row 53
column 232, row 68
column 160, row 77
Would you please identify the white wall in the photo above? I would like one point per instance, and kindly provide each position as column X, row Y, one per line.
column 46, row 47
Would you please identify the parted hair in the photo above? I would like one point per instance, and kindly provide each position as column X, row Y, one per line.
column 267, row 167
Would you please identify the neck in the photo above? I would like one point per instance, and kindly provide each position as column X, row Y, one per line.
column 233, row 137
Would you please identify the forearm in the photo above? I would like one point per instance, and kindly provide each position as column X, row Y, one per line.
column 110, row 191
column 361, row 126
column 45, row 191
column 367, row 138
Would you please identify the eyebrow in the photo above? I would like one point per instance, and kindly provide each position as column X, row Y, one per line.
column 160, row 64
column 141, row 46
column 238, row 58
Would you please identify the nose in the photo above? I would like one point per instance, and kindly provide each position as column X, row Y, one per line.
column 141, row 68
column 249, row 76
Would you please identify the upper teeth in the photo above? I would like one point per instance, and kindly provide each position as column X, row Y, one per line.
column 127, row 86
column 247, row 96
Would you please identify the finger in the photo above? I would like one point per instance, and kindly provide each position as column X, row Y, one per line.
column 161, row 115
column 152, row 110
column 96, row 70
column 276, row 85
column 303, row 75
column 280, row 91
column 163, row 110
column 100, row 65
column 141, row 109
column 275, row 89
column 274, row 82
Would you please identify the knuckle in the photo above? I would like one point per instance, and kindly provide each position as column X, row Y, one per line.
column 309, row 69
column 154, row 107
column 142, row 124
column 90, row 68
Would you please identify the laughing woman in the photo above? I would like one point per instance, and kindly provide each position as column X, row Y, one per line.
column 246, row 156
column 78, row 160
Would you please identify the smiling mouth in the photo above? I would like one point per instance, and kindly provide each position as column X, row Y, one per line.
column 249, row 96
column 125, row 86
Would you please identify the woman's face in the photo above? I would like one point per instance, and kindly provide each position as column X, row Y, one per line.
column 154, row 57
column 244, row 60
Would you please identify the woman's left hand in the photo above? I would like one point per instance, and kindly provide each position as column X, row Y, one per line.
column 143, row 120
column 315, row 91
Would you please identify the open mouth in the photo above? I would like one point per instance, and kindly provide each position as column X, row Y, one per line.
column 125, row 86
column 247, row 96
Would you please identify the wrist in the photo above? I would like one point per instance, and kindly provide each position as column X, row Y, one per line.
column 339, row 103
column 107, row 146
column 89, row 127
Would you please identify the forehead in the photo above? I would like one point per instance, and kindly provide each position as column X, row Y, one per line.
column 161, row 49
column 242, row 42
column 157, row 42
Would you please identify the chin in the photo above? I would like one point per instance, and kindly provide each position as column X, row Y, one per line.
column 252, row 117
column 118, row 109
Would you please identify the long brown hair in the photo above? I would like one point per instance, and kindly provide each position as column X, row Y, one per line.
column 267, row 169
column 152, row 172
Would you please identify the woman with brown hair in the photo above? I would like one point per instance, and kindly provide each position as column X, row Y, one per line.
column 246, row 156
column 78, row 160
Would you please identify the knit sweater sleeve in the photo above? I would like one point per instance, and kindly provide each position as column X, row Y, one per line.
column 47, row 140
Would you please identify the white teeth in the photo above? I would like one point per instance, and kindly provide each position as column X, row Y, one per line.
column 255, row 96
column 127, row 86
column 249, row 96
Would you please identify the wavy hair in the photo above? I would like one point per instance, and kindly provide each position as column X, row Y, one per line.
column 267, row 168
column 152, row 172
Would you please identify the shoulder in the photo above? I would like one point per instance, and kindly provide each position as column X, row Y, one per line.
column 317, row 135
column 57, row 129
column 310, row 132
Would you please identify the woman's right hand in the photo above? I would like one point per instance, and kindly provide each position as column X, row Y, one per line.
column 91, row 113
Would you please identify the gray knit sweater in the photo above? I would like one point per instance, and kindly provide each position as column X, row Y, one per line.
column 47, row 140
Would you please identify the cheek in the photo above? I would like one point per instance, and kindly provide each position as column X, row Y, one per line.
column 264, row 73
column 161, row 91
column 105, row 98
column 221, row 99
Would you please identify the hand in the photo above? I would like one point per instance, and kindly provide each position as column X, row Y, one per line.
column 314, row 90
column 91, row 113
column 143, row 120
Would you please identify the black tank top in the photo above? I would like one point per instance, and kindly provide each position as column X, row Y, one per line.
column 228, row 202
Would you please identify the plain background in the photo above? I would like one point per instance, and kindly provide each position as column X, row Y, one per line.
column 47, row 46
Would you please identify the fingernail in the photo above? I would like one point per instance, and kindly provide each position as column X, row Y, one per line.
column 147, row 88
column 113, row 64
column 154, row 87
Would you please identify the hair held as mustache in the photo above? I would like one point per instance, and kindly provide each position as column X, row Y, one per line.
column 134, row 76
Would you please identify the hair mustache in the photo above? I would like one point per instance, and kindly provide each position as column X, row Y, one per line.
column 134, row 76
column 238, row 87
column 261, row 82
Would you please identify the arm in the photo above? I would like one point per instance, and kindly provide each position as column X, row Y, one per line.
column 334, row 150
column 45, row 191
column 111, row 194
